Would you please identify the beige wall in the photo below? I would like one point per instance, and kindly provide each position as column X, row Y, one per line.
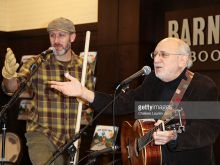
column 31, row 14
column 3, row 15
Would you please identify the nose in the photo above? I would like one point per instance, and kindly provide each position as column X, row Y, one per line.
column 56, row 39
column 157, row 58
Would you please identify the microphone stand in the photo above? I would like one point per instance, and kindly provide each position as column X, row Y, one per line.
column 70, row 145
column 123, row 88
column 34, row 67
column 3, row 122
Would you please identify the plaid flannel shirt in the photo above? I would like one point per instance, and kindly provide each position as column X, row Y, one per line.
column 51, row 112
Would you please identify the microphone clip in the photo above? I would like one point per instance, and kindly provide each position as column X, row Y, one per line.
column 44, row 54
column 125, row 83
column 125, row 88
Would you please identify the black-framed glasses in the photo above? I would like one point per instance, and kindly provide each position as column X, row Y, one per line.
column 162, row 54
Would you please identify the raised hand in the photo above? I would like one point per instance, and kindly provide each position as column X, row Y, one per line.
column 10, row 65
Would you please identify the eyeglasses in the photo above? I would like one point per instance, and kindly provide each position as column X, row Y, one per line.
column 162, row 54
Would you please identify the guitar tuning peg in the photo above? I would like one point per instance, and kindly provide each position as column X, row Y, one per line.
column 181, row 129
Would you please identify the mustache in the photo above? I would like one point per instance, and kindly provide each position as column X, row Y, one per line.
column 158, row 65
column 57, row 45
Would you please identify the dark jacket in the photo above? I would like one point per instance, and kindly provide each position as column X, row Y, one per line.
column 194, row 146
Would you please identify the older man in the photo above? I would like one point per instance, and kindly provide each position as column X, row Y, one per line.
column 172, row 58
column 51, row 119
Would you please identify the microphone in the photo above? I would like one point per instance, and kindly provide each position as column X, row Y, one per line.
column 106, row 150
column 144, row 71
column 48, row 51
column 43, row 55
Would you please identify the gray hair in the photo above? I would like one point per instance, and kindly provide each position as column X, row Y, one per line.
column 185, row 49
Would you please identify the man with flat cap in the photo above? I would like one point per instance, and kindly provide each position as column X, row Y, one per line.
column 51, row 117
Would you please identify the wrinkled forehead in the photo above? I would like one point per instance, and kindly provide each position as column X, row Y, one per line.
column 168, row 45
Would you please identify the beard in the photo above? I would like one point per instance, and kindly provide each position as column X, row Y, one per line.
column 168, row 76
column 64, row 51
column 160, row 76
column 161, row 73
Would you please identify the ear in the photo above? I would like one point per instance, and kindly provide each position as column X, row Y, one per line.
column 183, row 59
column 72, row 37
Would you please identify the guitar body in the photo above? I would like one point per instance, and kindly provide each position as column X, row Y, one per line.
column 130, row 132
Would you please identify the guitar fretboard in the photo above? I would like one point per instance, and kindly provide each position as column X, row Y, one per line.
column 147, row 138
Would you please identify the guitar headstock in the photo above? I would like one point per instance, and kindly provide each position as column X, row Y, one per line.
column 177, row 127
column 175, row 120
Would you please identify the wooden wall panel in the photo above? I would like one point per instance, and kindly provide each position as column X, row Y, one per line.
column 129, row 61
column 107, row 22
column 128, row 22
column 107, row 68
column 118, row 28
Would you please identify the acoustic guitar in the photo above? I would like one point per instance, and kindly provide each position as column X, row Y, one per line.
column 137, row 145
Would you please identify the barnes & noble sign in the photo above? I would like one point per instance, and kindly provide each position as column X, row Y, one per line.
column 200, row 28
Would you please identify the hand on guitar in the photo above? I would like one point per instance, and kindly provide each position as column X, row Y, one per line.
column 162, row 137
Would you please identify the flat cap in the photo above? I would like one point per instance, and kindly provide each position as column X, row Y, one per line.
column 62, row 24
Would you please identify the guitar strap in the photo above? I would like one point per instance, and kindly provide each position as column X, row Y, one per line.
column 178, row 95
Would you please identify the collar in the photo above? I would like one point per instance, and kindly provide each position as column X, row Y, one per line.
column 174, row 83
column 75, row 59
